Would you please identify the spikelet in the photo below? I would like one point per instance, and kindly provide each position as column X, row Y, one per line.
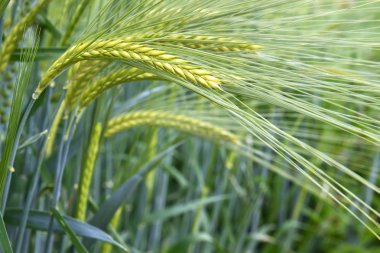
column 98, row 86
column 231, row 158
column 54, row 129
column 17, row 32
column 79, row 75
column 210, row 43
column 164, row 119
column 120, row 49
column 107, row 248
column 87, row 171
column 151, row 176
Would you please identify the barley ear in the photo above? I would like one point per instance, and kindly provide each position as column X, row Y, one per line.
column 151, row 176
column 87, row 171
column 79, row 76
column 54, row 129
column 210, row 43
column 107, row 248
column 120, row 76
column 231, row 159
column 17, row 32
column 120, row 49
column 169, row 120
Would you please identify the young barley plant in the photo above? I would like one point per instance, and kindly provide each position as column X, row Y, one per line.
column 189, row 126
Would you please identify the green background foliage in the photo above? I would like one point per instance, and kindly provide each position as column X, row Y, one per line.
column 295, row 82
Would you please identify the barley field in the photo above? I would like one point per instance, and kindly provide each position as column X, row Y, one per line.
column 189, row 126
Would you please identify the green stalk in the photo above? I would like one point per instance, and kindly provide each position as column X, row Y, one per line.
column 10, row 149
column 49, row 239
column 73, row 22
column 34, row 185
column 3, row 5
column 1, row 29
column 33, row 189
column 62, row 157
column 6, row 190
column 17, row 119
column 5, row 243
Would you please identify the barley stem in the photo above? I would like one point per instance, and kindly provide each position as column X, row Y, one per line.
column 54, row 129
column 107, row 248
column 13, row 152
column 34, row 185
column 61, row 161
column 1, row 28
column 73, row 22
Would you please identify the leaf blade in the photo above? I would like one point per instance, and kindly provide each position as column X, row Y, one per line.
column 73, row 238
column 4, row 239
column 39, row 220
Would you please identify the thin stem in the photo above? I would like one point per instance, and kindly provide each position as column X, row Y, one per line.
column 62, row 157
column 49, row 240
column 36, row 175
column 29, row 200
column 25, row 115
column 6, row 190
column 14, row 11
column 58, row 179
column 3, row 5
column 1, row 28
column 372, row 179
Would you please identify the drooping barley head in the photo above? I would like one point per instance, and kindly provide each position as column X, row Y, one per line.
column 169, row 120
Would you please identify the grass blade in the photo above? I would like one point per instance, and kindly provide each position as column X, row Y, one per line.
column 42, row 54
column 17, row 117
column 182, row 208
column 73, row 238
column 4, row 239
column 105, row 213
column 39, row 220
column 3, row 5
column 33, row 139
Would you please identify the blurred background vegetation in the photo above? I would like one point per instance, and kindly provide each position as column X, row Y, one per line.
column 160, row 189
